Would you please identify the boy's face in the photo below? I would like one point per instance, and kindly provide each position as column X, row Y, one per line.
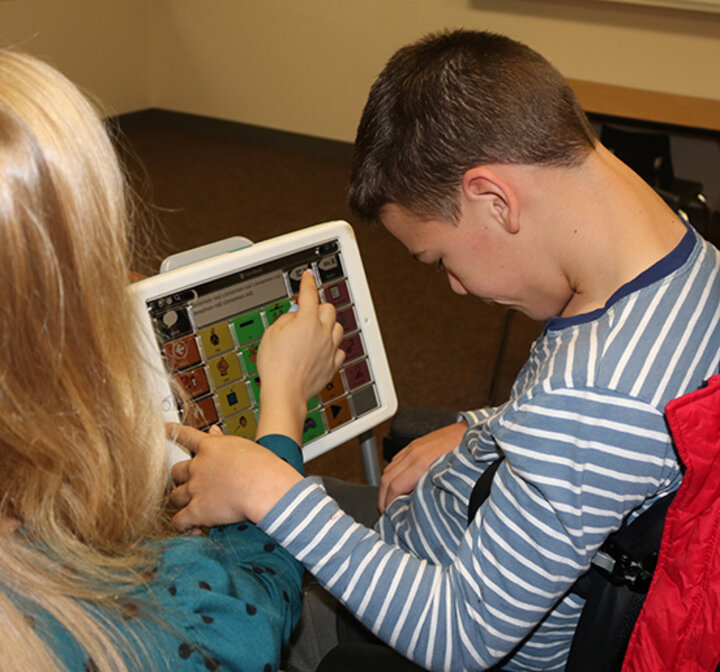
column 479, row 258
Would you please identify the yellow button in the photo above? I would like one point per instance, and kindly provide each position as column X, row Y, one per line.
column 243, row 424
column 233, row 397
column 216, row 339
column 225, row 369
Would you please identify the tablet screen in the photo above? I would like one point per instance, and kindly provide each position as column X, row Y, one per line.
column 208, row 332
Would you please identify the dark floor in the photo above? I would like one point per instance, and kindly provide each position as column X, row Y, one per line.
column 204, row 186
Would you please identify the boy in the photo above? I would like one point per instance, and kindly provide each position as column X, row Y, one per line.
column 473, row 151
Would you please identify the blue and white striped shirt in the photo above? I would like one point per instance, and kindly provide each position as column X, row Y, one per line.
column 585, row 446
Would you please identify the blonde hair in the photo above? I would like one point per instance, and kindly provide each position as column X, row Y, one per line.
column 81, row 446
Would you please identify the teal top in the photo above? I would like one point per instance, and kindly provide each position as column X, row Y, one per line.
column 225, row 602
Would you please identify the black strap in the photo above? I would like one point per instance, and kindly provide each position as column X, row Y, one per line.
column 628, row 556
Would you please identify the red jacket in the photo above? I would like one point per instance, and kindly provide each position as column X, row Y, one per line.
column 679, row 626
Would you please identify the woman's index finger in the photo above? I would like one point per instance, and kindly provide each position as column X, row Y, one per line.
column 308, row 295
column 186, row 436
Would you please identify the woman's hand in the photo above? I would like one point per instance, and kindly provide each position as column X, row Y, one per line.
column 228, row 480
column 298, row 356
column 8, row 525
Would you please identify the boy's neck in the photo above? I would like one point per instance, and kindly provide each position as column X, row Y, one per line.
column 611, row 227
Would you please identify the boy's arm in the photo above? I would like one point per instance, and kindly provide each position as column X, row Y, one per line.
column 463, row 602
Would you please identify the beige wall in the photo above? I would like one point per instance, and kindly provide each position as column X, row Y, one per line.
column 100, row 44
column 306, row 65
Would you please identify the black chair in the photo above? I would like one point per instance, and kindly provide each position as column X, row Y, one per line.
column 649, row 155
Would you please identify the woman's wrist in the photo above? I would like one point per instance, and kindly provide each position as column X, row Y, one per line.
column 276, row 484
column 281, row 412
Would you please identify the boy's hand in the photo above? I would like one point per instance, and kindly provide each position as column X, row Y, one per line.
column 298, row 355
column 409, row 465
column 230, row 479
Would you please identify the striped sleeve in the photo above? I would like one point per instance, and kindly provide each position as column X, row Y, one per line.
column 569, row 478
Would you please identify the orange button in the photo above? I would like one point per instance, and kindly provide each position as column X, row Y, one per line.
column 334, row 388
column 338, row 412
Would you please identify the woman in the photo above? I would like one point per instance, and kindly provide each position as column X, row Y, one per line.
column 90, row 575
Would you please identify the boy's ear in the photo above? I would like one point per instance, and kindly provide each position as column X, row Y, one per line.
column 482, row 185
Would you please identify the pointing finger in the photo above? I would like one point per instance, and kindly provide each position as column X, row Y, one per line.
column 308, row 296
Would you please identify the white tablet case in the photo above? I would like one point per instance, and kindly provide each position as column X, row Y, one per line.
column 203, row 322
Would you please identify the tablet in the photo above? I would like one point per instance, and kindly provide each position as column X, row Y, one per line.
column 202, row 325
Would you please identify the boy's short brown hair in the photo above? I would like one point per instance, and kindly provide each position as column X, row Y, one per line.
column 453, row 101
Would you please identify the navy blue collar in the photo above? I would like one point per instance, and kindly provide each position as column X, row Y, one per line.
column 660, row 269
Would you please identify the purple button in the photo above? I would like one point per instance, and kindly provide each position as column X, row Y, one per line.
column 353, row 347
column 357, row 374
column 337, row 294
column 347, row 319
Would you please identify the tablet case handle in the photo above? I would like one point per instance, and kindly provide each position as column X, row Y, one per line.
column 204, row 252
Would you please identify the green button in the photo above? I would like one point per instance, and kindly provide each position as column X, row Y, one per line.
column 249, row 356
column 248, row 327
column 314, row 426
column 275, row 310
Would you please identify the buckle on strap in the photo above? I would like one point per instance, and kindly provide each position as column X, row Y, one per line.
column 621, row 569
